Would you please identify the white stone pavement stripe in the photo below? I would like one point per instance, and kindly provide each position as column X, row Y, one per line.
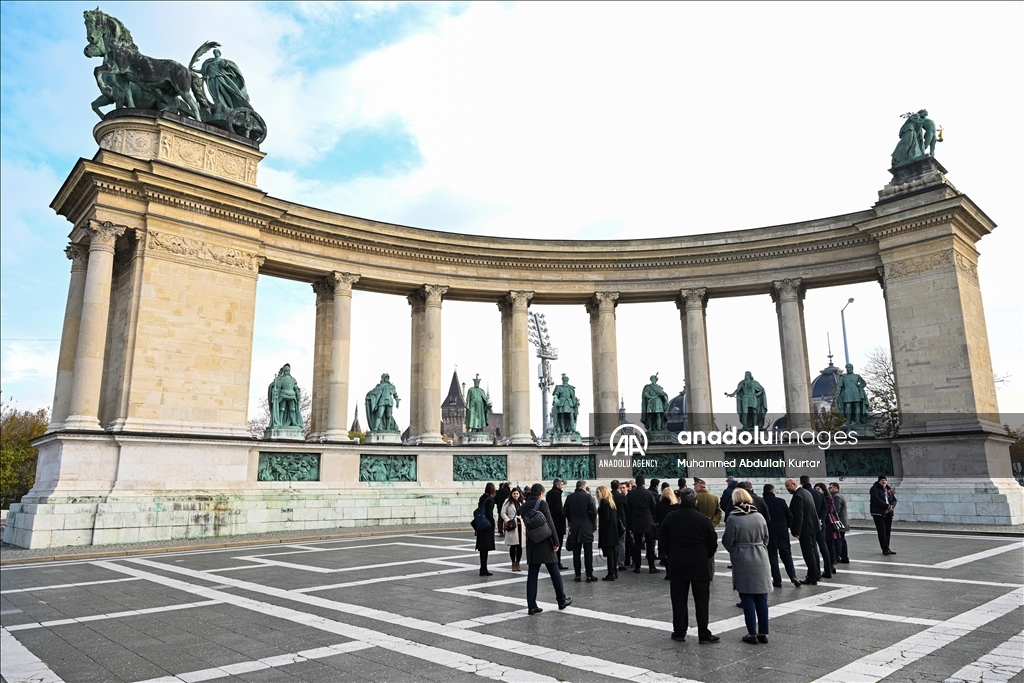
column 5, row 612
column 885, row 662
column 19, row 665
column 881, row 616
column 382, row 579
column 949, row 564
column 35, row 589
column 503, row 644
column 112, row 615
column 490, row 619
column 915, row 577
column 323, row 570
column 453, row 660
column 353, row 547
column 998, row 666
column 260, row 664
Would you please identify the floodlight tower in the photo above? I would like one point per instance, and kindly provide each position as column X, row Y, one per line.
column 538, row 335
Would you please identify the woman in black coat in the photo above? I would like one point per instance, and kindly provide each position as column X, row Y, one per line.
column 666, row 504
column 610, row 529
column 542, row 553
column 485, row 537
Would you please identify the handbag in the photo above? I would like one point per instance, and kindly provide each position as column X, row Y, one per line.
column 537, row 527
column 837, row 524
column 510, row 525
column 480, row 521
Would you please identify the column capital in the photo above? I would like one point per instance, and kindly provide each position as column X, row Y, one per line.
column 418, row 301
column 342, row 282
column 606, row 300
column 103, row 235
column 881, row 276
column 79, row 256
column 592, row 308
column 520, row 300
column 789, row 289
column 324, row 289
column 692, row 299
column 505, row 306
column 433, row 294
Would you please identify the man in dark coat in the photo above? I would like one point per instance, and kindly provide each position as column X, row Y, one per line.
column 554, row 499
column 542, row 553
column 821, row 511
column 504, row 491
column 581, row 512
column 758, row 501
column 618, row 490
column 485, row 537
column 805, row 527
column 882, row 501
column 641, row 522
column 690, row 541
column 778, row 537
column 726, row 500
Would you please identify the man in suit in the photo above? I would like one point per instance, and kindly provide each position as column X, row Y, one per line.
column 805, row 527
column 758, row 501
column 690, row 541
column 822, row 512
column 726, row 500
column 707, row 503
column 619, row 496
column 640, row 502
column 581, row 512
column 778, row 537
column 554, row 501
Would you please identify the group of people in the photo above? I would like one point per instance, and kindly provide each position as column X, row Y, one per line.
column 677, row 529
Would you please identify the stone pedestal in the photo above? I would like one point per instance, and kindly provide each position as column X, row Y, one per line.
column 661, row 437
column 566, row 439
column 285, row 434
column 477, row 439
column 383, row 437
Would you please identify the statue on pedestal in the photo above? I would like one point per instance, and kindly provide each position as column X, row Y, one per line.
column 380, row 404
column 565, row 408
column 917, row 138
column 852, row 401
column 478, row 408
column 284, row 400
column 751, row 403
column 654, row 406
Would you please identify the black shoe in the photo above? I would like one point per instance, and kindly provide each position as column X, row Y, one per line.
column 796, row 584
column 484, row 572
column 728, row 566
column 809, row 583
column 577, row 579
column 777, row 585
column 637, row 570
column 591, row 579
column 667, row 577
column 749, row 639
column 826, row 576
column 679, row 637
column 562, row 566
column 740, row 605
column 654, row 570
column 886, row 552
column 535, row 610
column 762, row 638
column 621, row 568
column 610, row 577
column 563, row 605
column 709, row 638
column 892, row 552
column 846, row 561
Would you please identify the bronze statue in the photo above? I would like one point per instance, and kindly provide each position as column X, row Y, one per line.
column 654, row 406
column 751, row 403
column 851, row 399
column 478, row 408
column 565, row 408
column 380, row 404
column 285, row 400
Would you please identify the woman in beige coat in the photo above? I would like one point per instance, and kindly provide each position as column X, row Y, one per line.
column 512, row 523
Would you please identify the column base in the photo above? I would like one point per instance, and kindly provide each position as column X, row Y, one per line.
column 82, row 423
column 477, row 439
column 430, row 439
column 383, row 437
column 284, row 434
column 335, row 435
column 521, row 440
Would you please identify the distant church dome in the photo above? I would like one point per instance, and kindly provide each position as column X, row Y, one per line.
column 823, row 388
column 676, row 418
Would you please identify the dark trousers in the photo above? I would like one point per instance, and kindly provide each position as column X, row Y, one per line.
column 810, row 552
column 774, row 552
column 613, row 560
column 679, row 590
column 883, row 525
column 826, row 558
column 561, row 544
column 755, row 612
column 588, row 556
column 515, row 553
column 830, row 543
column 531, row 583
column 842, row 549
column 483, row 560
column 620, row 555
column 630, row 543
column 639, row 541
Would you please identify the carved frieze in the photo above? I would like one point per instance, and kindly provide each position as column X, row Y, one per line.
column 919, row 264
column 192, row 249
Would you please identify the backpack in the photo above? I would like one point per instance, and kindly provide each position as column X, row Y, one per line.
column 480, row 521
column 536, row 523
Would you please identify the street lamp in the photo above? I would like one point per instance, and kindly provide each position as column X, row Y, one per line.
column 846, row 349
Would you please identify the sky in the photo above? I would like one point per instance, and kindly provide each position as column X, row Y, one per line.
column 555, row 120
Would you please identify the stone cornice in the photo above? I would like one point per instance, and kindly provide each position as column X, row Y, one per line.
column 959, row 212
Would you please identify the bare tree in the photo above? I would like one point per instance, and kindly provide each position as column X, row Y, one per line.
column 881, row 381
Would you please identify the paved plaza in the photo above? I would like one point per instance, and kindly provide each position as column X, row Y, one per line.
column 413, row 608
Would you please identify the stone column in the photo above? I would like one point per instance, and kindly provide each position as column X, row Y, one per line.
column 595, row 365
column 324, row 289
column 788, row 295
column 417, row 302
column 341, row 330
column 92, row 334
column 608, row 366
column 79, row 255
column 505, row 306
column 430, row 368
column 692, row 305
column 519, row 367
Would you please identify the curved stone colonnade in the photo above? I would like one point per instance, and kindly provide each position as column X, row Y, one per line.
column 171, row 232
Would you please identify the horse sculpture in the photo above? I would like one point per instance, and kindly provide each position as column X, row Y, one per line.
column 128, row 78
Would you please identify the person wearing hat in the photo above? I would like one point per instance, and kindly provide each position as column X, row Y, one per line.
column 883, row 506
column 554, row 501
column 726, row 500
